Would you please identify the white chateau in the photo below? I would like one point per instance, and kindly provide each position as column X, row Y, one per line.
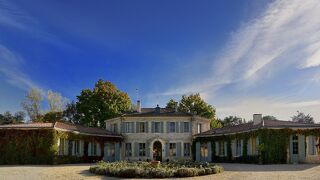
column 156, row 133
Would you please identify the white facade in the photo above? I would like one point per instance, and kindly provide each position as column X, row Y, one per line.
column 157, row 137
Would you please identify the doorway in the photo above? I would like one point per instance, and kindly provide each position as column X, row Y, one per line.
column 295, row 149
column 157, row 151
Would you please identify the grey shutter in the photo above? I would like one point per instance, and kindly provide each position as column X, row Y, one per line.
column 123, row 127
column 181, row 127
column 179, row 149
column 136, row 149
column 167, row 150
column 225, row 149
column 177, row 127
column 168, row 127
column 152, row 127
column 98, row 149
column 146, row 126
column 117, row 151
column 209, row 158
column 197, row 151
column 89, row 149
column 137, row 127
column 161, row 124
column 302, row 152
column 147, row 149
column 106, row 156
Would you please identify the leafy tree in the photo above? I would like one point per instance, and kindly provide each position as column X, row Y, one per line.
column 196, row 105
column 31, row 104
column 57, row 103
column 232, row 121
column 268, row 117
column 216, row 123
column 52, row 117
column 105, row 101
column 69, row 114
column 8, row 118
column 172, row 104
column 302, row 118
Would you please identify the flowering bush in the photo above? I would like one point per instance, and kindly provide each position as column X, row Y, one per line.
column 145, row 170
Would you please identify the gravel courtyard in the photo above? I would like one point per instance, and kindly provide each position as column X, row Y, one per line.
column 232, row 171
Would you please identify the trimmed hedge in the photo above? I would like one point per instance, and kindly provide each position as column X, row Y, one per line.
column 145, row 170
column 28, row 146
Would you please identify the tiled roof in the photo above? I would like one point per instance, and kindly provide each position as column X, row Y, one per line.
column 63, row 126
column 27, row 125
column 250, row 126
column 147, row 112
column 83, row 129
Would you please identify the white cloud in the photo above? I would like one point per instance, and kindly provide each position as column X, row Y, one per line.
column 281, row 109
column 10, row 68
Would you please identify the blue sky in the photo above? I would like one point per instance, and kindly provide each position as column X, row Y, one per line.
column 243, row 57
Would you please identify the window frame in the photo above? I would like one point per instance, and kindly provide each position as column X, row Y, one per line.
column 128, row 150
column 142, row 149
column 155, row 127
column 172, row 127
column 142, row 124
column 186, row 130
column 204, row 151
column 221, row 148
column 172, row 149
column 186, row 149
column 238, row 147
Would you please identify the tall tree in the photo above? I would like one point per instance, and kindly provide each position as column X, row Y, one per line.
column 216, row 123
column 172, row 104
column 52, row 117
column 105, row 101
column 268, row 117
column 302, row 118
column 196, row 105
column 31, row 104
column 8, row 118
column 56, row 102
column 232, row 121
column 69, row 114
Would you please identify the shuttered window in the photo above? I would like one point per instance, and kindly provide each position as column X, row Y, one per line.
column 172, row 127
column 204, row 151
column 128, row 152
column 186, row 127
column 173, row 149
column 221, row 148
column 238, row 147
column 186, row 149
column 157, row 127
column 142, row 149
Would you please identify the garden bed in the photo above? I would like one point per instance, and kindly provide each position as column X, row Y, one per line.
column 163, row 170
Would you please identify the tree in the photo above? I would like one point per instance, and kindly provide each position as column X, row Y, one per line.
column 232, row 121
column 302, row 118
column 216, row 123
column 268, row 117
column 69, row 114
column 56, row 102
column 31, row 104
column 52, row 117
column 105, row 101
column 8, row 118
column 172, row 104
column 194, row 104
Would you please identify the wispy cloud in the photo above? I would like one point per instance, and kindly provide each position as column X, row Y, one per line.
column 12, row 16
column 11, row 69
column 285, row 37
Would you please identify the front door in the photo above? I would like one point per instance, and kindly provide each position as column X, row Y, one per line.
column 157, row 151
column 295, row 149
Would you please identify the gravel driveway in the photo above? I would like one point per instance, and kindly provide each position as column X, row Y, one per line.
column 232, row 171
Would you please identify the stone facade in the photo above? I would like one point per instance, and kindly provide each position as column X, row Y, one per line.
column 157, row 137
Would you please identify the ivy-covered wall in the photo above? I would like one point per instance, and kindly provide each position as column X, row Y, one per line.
column 28, row 146
column 273, row 145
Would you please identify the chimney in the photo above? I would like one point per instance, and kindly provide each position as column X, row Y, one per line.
column 257, row 119
column 139, row 106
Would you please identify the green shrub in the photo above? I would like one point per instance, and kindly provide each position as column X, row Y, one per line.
column 130, row 172
column 187, row 172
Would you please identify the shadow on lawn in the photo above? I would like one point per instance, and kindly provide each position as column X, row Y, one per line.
column 86, row 173
column 264, row 168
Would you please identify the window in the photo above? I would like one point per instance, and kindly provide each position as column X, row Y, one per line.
column 172, row 149
column 172, row 127
column 128, row 150
column 157, row 127
column 186, row 127
column 204, row 151
column 93, row 149
column 77, row 147
column 295, row 147
column 312, row 145
column 61, row 146
column 186, row 149
column 114, row 127
column 238, row 147
column 142, row 149
column 221, row 148
column 142, row 128
column 199, row 128
column 129, row 127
